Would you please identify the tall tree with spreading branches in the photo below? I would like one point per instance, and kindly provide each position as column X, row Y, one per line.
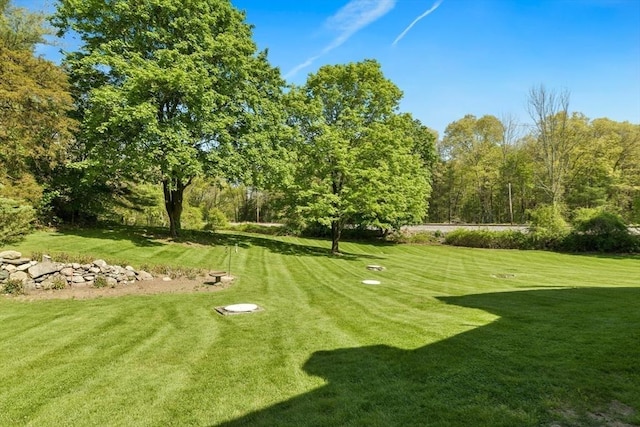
column 359, row 162
column 169, row 90
column 35, row 128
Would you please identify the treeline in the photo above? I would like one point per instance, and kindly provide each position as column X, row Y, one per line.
column 493, row 170
column 153, row 123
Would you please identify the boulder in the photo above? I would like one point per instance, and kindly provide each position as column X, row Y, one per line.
column 6, row 255
column 4, row 274
column 67, row 271
column 11, row 268
column 17, row 261
column 143, row 275
column 100, row 263
column 26, row 266
column 78, row 279
column 43, row 268
column 19, row 275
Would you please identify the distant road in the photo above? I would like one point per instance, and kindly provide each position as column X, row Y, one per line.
column 446, row 228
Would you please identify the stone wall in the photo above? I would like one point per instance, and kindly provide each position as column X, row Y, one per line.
column 43, row 274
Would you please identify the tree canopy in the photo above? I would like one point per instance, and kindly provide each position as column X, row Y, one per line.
column 169, row 90
column 35, row 128
column 358, row 161
column 489, row 167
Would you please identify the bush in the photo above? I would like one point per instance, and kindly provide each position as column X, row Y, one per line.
column 547, row 228
column 489, row 239
column 58, row 283
column 192, row 217
column 100, row 282
column 547, row 220
column 255, row 228
column 418, row 238
column 13, row 287
column 16, row 220
column 596, row 230
column 214, row 219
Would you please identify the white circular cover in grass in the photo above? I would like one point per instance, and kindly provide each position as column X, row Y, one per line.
column 241, row 308
column 371, row 282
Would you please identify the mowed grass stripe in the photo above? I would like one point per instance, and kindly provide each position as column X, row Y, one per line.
column 121, row 343
column 439, row 342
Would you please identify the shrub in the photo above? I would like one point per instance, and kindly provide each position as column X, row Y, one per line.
column 256, row 228
column 488, row 239
column 547, row 219
column 547, row 228
column 596, row 230
column 192, row 217
column 100, row 282
column 58, row 283
column 16, row 220
column 214, row 219
column 419, row 238
column 13, row 287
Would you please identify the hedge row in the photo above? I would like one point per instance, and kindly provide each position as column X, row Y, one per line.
column 573, row 241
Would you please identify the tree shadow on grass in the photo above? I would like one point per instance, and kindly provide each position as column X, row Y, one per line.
column 564, row 357
column 137, row 236
column 155, row 236
column 608, row 256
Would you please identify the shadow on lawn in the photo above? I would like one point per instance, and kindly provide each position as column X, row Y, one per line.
column 137, row 236
column 568, row 357
column 153, row 236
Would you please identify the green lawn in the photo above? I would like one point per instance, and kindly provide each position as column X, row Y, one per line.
column 440, row 342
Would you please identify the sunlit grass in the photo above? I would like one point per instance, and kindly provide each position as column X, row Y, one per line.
column 444, row 340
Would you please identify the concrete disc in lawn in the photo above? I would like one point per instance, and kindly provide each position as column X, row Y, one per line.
column 241, row 308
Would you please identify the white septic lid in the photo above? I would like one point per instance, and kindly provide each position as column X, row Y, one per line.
column 241, row 308
column 371, row 282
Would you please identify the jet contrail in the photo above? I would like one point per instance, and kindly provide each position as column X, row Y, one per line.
column 350, row 19
column 415, row 21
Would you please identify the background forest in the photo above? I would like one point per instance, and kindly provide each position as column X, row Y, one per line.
column 127, row 135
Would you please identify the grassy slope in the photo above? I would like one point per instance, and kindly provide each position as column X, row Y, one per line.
column 440, row 342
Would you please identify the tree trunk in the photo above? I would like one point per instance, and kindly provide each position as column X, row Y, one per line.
column 173, row 193
column 336, row 230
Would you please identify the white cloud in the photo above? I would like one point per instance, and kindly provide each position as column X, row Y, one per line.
column 350, row 19
column 415, row 21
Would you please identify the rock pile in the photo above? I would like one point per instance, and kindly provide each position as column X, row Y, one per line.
column 44, row 274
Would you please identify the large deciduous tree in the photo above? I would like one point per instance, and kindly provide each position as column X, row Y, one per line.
column 169, row 89
column 358, row 161
column 35, row 129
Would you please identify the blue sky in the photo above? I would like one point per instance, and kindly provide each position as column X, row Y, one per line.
column 464, row 57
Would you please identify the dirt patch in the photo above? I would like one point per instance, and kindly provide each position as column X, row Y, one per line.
column 157, row 285
column 614, row 415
